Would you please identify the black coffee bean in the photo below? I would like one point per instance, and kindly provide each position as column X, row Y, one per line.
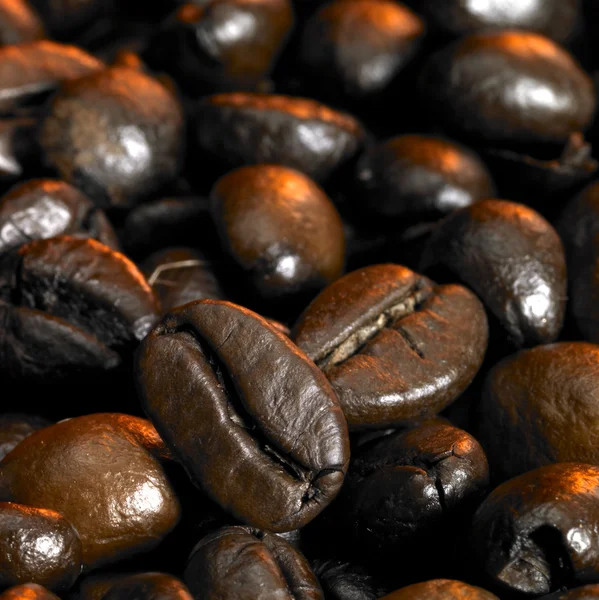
column 45, row 208
column 394, row 345
column 230, row 394
column 513, row 259
column 244, row 129
column 238, row 563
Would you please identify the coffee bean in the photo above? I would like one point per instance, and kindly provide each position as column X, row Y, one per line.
column 539, row 406
column 539, row 531
column 280, row 228
column 509, row 87
column 441, row 589
column 19, row 23
column 95, row 471
column 45, row 208
column 586, row 592
column 246, row 129
column 230, row 394
column 148, row 586
column 28, row 591
column 243, row 564
column 344, row 581
column 513, row 259
column 394, row 345
column 37, row 546
column 133, row 123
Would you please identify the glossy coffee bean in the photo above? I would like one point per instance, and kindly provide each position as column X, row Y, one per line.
column 513, row 259
column 409, row 493
column 95, row 471
column 45, row 208
column 441, row 589
column 179, row 276
column 133, row 123
column 70, row 306
column 358, row 47
column 28, row 70
column 223, row 44
column 19, row 23
column 586, row 592
column 394, row 345
column 541, row 406
column 345, row 581
column 553, row 18
column 247, row 129
column 28, row 591
column 238, row 563
column 37, row 546
column 421, row 177
column 540, row 531
column 14, row 428
column 230, row 394
column 148, row 586
column 280, row 228
column 508, row 87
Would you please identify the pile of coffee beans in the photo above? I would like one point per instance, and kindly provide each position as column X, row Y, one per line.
column 299, row 299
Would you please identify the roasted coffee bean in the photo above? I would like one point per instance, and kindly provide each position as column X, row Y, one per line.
column 230, row 394
column 45, row 208
column 179, row 276
column 441, row 589
column 28, row 591
column 508, row 87
column 553, row 18
column 344, row 581
column 70, row 306
column 238, row 563
column 540, row 531
column 37, row 546
column 148, row 586
column 280, row 228
column 247, row 129
column 197, row 48
column 95, row 471
column 394, row 345
column 19, row 23
column 421, row 177
column 408, row 494
column 14, row 428
column 513, row 259
column 134, row 125
column 586, row 592
column 541, row 406
column 358, row 47
column 28, row 70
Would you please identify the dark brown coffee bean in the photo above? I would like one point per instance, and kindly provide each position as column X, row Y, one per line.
column 509, row 87
column 586, row 592
column 28, row 591
column 238, row 563
column 280, row 228
column 394, row 345
column 69, row 306
column 28, row 70
column 553, row 18
column 513, row 259
column 95, row 471
column 441, row 589
column 541, row 406
column 148, row 586
column 230, row 394
column 14, row 428
column 247, row 129
column 540, row 531
column 179, row 276
column 196, row 47
column 345, row 581
column 37, row 546
column 45, row 208
column 19, row 23
column 422, row 177
column 358, row 47
column 134, row 125
column 410, row 494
